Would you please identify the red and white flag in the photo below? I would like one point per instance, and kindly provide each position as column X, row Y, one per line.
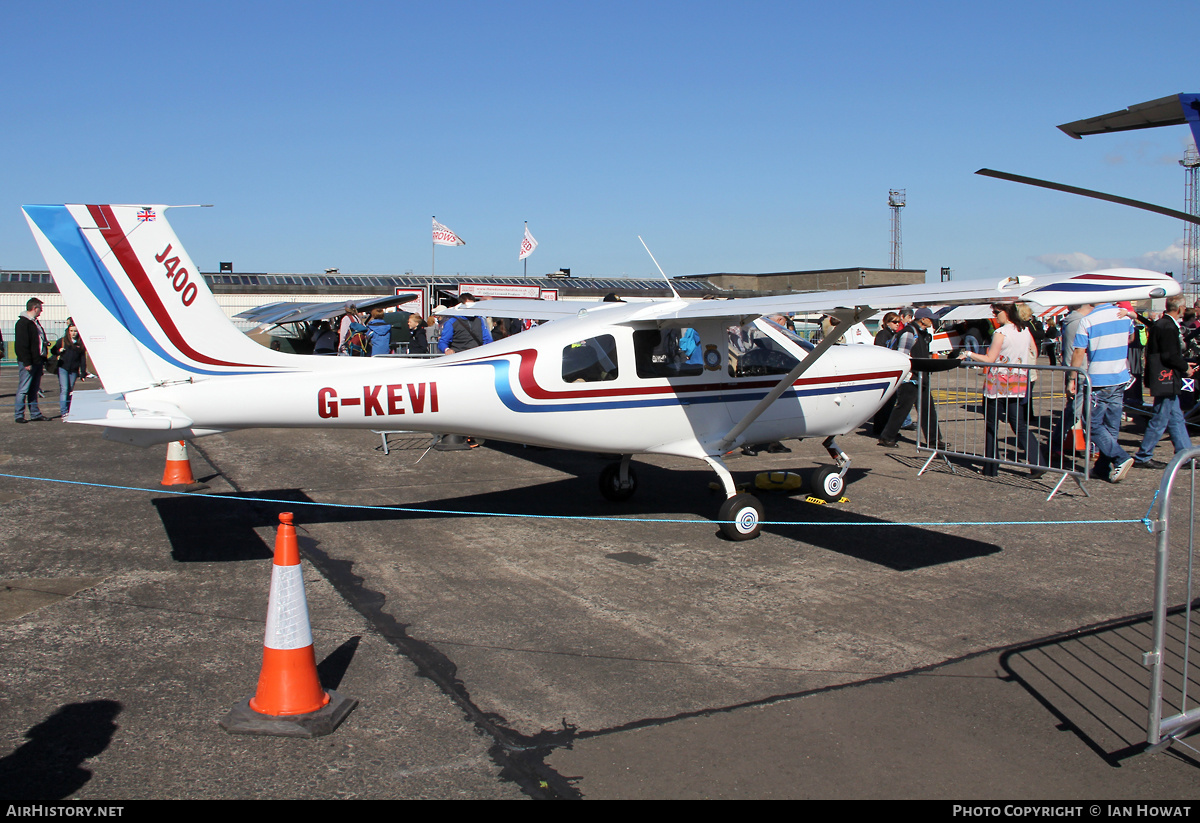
column 527, row 245
column 442, row 236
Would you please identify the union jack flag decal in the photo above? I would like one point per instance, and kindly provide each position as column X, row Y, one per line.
column 146, row 215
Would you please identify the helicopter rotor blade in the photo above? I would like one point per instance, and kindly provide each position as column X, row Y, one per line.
column 1099, row 195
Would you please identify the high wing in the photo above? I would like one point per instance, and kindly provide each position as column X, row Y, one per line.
column 1063, row 289
column 524, row 308
column 1072, row 288
column 274, row 314
column 853, row 305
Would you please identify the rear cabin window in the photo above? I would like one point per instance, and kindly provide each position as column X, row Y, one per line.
column 667, row 353
column 590, row 361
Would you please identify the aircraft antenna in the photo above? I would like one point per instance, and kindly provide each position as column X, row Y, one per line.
column 670, row 285
column 1191, row 236
column 896, row 202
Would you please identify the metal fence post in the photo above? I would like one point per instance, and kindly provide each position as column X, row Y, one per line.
column 1159, row 730
column 1042, row 419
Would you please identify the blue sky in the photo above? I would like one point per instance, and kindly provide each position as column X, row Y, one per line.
column 733, row 137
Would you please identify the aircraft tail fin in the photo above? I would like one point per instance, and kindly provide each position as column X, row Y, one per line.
column 142, row 308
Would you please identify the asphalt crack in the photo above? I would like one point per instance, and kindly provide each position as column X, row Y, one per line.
column 521, row 758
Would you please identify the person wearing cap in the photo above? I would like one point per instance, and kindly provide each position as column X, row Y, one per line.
column 914, row 341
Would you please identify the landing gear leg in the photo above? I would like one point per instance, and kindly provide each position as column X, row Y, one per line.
column 740, row 514
column 618, row 481
column 829, row 482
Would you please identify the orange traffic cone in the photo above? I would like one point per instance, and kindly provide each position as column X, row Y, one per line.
column 288, row 683
column 289, row 700
column 179, row 469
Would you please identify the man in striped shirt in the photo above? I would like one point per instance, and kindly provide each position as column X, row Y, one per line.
column 1102, row 342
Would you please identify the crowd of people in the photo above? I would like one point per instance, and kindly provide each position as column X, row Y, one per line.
column 1125, row 354
column 377, row 332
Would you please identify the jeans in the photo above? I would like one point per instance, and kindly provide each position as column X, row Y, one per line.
column 66, row 384
column 1015, row 412
column 29, row 382
column 1168, row 417
column 1105, row 425
column 906, row 398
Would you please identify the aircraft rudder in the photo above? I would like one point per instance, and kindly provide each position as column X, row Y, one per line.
column 126, row 268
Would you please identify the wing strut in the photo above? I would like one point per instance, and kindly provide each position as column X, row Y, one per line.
column 846, row 318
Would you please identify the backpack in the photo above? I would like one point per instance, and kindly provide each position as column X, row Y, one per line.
column 358, row 343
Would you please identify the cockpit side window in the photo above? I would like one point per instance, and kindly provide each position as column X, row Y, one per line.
column 590, row 361
column 753, row 353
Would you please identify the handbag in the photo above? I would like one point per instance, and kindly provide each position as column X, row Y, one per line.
column 1162, row 380
column 50, row 364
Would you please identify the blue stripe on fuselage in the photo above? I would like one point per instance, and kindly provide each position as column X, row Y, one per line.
column 59, row 226
column 508, row 397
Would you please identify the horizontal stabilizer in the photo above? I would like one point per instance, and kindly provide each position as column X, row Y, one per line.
column 97, row 408
column 1166, row 111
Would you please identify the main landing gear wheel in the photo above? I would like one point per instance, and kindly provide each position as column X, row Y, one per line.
column 611, row 487
column 741, row 514
column 828, row 484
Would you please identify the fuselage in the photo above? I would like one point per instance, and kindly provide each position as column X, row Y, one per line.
column 577, row 384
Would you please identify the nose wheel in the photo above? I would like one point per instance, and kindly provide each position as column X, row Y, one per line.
column 740, row 517
column 828, row 483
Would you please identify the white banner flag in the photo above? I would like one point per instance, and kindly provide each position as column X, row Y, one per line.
column 442, row 236
column 527, row 245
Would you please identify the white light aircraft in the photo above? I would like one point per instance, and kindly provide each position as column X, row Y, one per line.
column 598, row 377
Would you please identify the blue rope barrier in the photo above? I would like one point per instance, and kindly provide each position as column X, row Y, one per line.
column 607, row 519
column 1146, row 521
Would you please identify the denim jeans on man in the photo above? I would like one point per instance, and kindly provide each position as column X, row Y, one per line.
column 1106, row 425
column 1168, row 417
column 29, row 383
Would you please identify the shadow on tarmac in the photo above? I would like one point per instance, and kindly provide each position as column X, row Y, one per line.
column 333, row 668
column 1096, row 685
column 49, row 766
column 209, row 529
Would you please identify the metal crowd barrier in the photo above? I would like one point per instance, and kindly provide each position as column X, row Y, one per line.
column 1174, row 710
column 1046, row 431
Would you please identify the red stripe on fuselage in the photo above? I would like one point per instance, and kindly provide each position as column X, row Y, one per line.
column 110, row 229
column 530, row 385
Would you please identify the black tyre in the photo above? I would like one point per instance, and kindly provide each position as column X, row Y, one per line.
column 610, row 483
column 740, row 516
column 827, row 483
